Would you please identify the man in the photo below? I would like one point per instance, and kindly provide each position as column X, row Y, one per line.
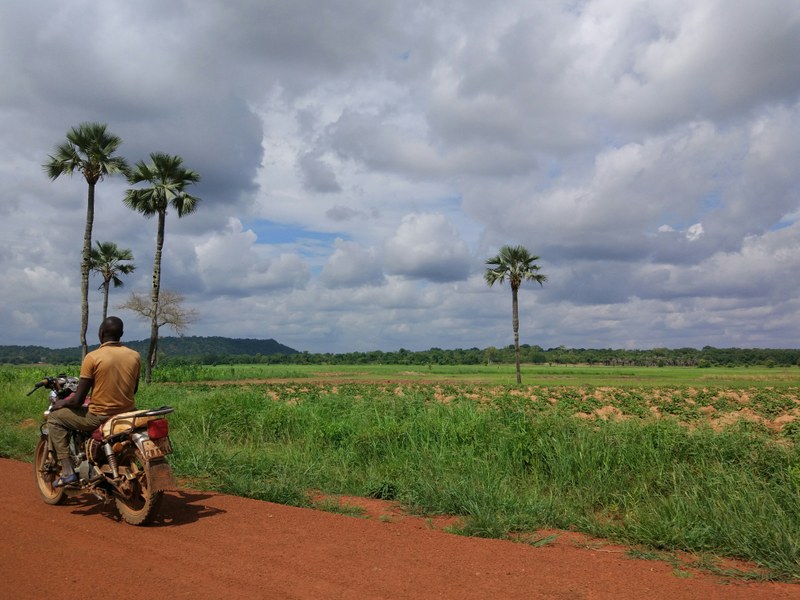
column 112, row 373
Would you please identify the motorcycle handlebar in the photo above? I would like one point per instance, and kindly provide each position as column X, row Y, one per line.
column 47, row 381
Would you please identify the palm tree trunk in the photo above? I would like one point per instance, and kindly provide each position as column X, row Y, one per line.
column 152, row 350
column 105, row 298
column 154, row 353
column 515, row 325
column 87, row 248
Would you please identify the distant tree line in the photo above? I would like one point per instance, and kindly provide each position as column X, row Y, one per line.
column 658, row 357
column 193, row 350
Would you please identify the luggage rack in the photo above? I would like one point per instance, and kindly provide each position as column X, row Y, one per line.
column 137, row 418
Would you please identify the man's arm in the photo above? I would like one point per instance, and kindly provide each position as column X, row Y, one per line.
column 76, row 399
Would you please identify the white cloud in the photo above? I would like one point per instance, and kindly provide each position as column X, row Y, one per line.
column 711, row 59
column 694, row 232
column 352, row 265
column 231, row 263
column 427, row 246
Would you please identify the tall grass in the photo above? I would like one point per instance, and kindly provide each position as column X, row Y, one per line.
column 504, row 460
column 20, row 415
column 510, row 465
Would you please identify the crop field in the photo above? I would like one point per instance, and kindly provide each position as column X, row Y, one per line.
column 556, row 375
column 705, row 461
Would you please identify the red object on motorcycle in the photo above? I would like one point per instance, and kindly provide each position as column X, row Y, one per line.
column 157, row 429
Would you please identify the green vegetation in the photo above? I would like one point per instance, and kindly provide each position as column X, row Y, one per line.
column 90, row 150
column 707, row 462
column 540, row 375
column 197, row 350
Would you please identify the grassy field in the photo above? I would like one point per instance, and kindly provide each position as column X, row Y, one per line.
column 669, row 459
column 499, row 374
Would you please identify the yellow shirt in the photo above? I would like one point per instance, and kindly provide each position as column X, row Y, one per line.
column 115, row 371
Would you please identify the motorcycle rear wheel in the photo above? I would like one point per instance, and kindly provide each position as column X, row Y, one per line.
column 141, row 505
column 46, row 470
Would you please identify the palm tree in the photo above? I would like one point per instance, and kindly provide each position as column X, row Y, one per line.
column 167, row 179
column 89, row 149
column 516, row 264
column 108, row 260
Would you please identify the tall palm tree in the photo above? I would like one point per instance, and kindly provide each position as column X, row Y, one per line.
column 167, row 180
column 89, row 149
column 109, row 261
column 516, row 264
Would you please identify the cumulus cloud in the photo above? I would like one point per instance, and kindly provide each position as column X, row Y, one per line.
column 427, row 246
column 695, row 65
column 351, row 265
column 231, row 263
column 646, row 151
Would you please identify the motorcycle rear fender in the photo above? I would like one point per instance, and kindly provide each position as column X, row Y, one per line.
column 159, row 475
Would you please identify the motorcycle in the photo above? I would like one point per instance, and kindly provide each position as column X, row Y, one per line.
column 124, row 459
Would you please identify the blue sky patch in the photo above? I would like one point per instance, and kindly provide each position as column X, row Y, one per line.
column 269, row 232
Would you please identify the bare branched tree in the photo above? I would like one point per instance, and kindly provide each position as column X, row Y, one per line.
column 171, row 312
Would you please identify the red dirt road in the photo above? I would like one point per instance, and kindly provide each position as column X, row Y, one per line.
column 208, row 545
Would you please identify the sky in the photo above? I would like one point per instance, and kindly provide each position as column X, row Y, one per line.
column 361, row 160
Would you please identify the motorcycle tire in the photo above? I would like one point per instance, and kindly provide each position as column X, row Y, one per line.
column 141, row 504
column 46, row 470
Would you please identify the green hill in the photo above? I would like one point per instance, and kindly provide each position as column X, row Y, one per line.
column 189, row 346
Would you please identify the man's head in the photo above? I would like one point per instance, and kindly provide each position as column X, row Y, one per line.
column 110, row 330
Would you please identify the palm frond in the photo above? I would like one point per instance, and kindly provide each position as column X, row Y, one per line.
column 167, row 179
column 89, row 149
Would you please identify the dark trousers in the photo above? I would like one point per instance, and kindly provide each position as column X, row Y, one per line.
column 60, row 422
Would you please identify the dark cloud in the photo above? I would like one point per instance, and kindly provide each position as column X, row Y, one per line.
column 317, row 176
column 342, row 213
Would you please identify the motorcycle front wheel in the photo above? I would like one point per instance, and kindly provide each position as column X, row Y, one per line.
column 46, row 470
column 139, row 503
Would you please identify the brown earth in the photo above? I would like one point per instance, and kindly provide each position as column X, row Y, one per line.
column 208, row 545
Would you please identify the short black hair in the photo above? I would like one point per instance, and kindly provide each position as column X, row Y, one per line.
column 112, row 327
